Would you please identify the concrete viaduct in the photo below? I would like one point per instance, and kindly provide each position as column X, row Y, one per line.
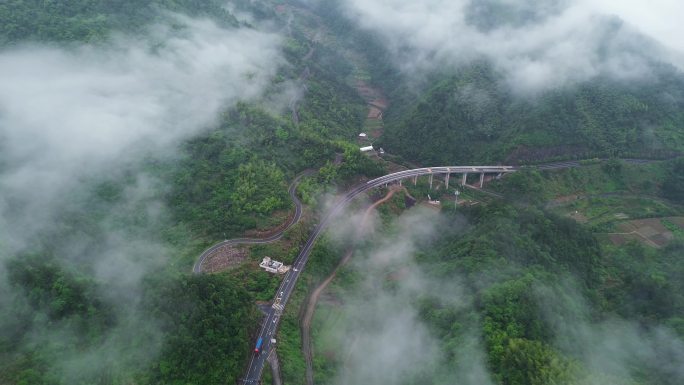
column 271, row 321
column 446, row 171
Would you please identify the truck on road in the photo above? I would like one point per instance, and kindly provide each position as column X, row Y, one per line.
column 260, row 341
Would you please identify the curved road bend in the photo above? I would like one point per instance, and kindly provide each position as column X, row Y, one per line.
column 292, row 190
column 271, row 321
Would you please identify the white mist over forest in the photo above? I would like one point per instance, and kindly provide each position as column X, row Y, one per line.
column 379, row 332
column 536, row 45
column 136, row 137
column 77, row 116
column 71, row 113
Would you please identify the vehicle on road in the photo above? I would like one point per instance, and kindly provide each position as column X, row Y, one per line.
column 260, row 342
column 267, row 329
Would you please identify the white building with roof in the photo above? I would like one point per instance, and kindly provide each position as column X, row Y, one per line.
column 273, row 266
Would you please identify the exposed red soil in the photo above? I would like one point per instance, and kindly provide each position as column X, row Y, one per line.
column 226, row 257
column 377, row 104
column 372, row 95
column 374, row 113
column 649, row 231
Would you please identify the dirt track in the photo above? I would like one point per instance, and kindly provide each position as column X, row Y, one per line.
column 275, row 367
column 316, row 293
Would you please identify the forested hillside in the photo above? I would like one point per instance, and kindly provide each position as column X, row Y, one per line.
column 512, row 293
column 91, row 20
column 472, row 116
column 234, row 178
column 104, row 295
column 553, row 288
column 135, row 135
column 519, row 292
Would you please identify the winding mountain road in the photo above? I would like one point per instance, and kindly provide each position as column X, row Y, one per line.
column 292, row 190
column 270, row 323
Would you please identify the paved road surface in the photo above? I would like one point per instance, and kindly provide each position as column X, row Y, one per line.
column 272, row 319
column 292, row 190
column 270, row 323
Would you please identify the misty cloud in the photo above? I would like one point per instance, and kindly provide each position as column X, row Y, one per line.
column 67, row 114
column 73, row 118
column 378, row 332
column 612, row 346
column 382, row 339
column 536, row 45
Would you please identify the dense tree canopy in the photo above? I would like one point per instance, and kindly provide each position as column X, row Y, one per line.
column 63, row 321
column 92, row 20
column 472, row 116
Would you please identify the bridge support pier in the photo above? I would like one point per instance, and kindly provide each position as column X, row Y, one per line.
column 400, row 182
column 465, row 179
column 482, row 180
column 431, row 181
column 415, row 180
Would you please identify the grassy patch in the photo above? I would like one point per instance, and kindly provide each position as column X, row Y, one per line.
column 321, row 263
column 602, row 210
column 292, row 362
column 328, row 343
column 674, row 228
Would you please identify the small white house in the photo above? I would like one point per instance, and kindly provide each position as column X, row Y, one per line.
column 366, row 149
column 363, row 135
column 274, row 267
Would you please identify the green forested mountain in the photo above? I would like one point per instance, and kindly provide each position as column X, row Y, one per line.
column 104, row 295
column 234, row 178
column 534, row 297
column 472, row 116
column 200, row 322
column 91, row 20
column 537, row 270
column 61, row 324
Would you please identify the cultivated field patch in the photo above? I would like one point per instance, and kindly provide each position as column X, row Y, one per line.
column 655, row 232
